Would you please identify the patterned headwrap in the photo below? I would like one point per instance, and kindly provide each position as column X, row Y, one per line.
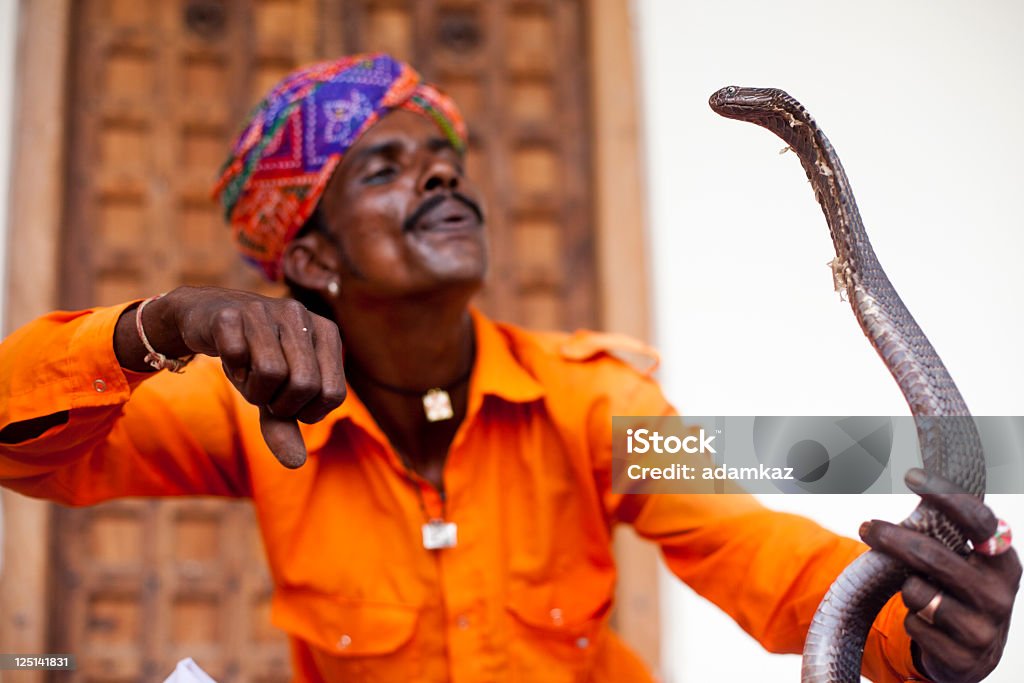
column 296, row 137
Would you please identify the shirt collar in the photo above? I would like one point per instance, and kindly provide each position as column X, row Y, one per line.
column 496, row 372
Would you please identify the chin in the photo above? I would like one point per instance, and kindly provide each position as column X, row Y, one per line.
column 466, row 262
column 469, row 277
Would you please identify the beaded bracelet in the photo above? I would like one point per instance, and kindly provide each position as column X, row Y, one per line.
column 154, row 358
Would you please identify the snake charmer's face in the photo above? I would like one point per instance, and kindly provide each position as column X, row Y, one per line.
column 403, row 214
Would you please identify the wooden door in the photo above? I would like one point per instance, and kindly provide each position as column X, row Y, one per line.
column 157, row 91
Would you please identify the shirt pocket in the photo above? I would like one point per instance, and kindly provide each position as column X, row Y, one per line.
column 554, row 629
column 351, row 640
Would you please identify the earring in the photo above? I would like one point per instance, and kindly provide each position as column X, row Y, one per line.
column 333, row 288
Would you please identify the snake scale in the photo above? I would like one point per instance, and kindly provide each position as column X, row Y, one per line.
column 948, row 439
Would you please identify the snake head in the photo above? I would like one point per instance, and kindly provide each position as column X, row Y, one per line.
column 736, row 102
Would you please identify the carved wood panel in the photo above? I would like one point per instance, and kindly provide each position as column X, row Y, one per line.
column 158, row 91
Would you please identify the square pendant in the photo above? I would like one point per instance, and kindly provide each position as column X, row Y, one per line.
column 437, row 404
column 438, row 534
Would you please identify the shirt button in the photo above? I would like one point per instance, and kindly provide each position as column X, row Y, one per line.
column 462, row 622
column 582, row 643
column 99, row 385
column 344, row 641
column 556, row 616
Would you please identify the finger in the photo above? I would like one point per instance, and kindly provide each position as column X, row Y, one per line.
column 939, row 647
column 978, row 584
column 327, row 342
column 968, row 512
column 303, row 383
column 1007, row 564
column 926, row 556
column 268, row 366
column 230, row 344
column 283, row 438
column 964, row 625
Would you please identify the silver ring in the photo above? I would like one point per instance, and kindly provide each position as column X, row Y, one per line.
column 927, row 613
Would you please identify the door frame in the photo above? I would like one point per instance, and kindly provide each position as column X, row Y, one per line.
column 36, row 201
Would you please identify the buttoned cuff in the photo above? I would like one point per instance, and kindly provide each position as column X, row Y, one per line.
column 95, row 376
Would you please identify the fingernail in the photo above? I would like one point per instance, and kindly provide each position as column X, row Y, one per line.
column 864, row 529
column 916, row 477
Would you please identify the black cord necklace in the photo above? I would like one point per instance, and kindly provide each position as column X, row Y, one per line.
column 437, row 402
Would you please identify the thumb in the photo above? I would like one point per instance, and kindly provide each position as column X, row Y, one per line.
column 283, row 438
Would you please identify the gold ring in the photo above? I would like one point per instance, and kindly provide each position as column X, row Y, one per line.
column 927, row 613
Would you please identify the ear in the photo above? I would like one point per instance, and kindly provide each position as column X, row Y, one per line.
column 310, row 261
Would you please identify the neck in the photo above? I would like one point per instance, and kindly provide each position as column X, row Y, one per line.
column 413, row 345
column 410, row 344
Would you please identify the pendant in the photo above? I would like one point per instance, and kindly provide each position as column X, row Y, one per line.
column 437, row 404
column 439, row 534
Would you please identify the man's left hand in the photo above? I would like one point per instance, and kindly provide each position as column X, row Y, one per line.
column 966, row 640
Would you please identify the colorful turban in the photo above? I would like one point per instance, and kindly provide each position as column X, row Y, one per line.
column 297, row 135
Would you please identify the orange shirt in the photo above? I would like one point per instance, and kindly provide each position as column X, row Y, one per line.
column 524, row 596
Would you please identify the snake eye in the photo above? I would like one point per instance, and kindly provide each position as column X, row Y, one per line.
column 731, row 90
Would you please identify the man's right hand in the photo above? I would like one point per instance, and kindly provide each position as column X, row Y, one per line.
column 280, row 356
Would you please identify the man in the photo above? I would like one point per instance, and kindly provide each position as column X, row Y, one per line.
column 451, row 519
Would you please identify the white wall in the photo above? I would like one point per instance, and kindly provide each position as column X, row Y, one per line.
column 922, row 100
column 8, row 50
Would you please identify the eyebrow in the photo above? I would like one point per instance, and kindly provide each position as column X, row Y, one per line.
column 381, row 149
column 440, row 144
column 392, row 148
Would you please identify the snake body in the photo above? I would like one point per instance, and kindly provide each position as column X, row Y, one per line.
column 948, row 439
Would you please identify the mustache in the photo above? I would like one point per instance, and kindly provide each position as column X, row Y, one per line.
column 433, row 202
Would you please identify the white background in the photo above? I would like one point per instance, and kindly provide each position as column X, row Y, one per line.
column 922, row 99
column 8, row 48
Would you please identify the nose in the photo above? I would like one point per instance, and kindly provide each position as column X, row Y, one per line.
column 439, row 174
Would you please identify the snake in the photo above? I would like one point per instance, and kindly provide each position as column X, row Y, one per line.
column 947, row 436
